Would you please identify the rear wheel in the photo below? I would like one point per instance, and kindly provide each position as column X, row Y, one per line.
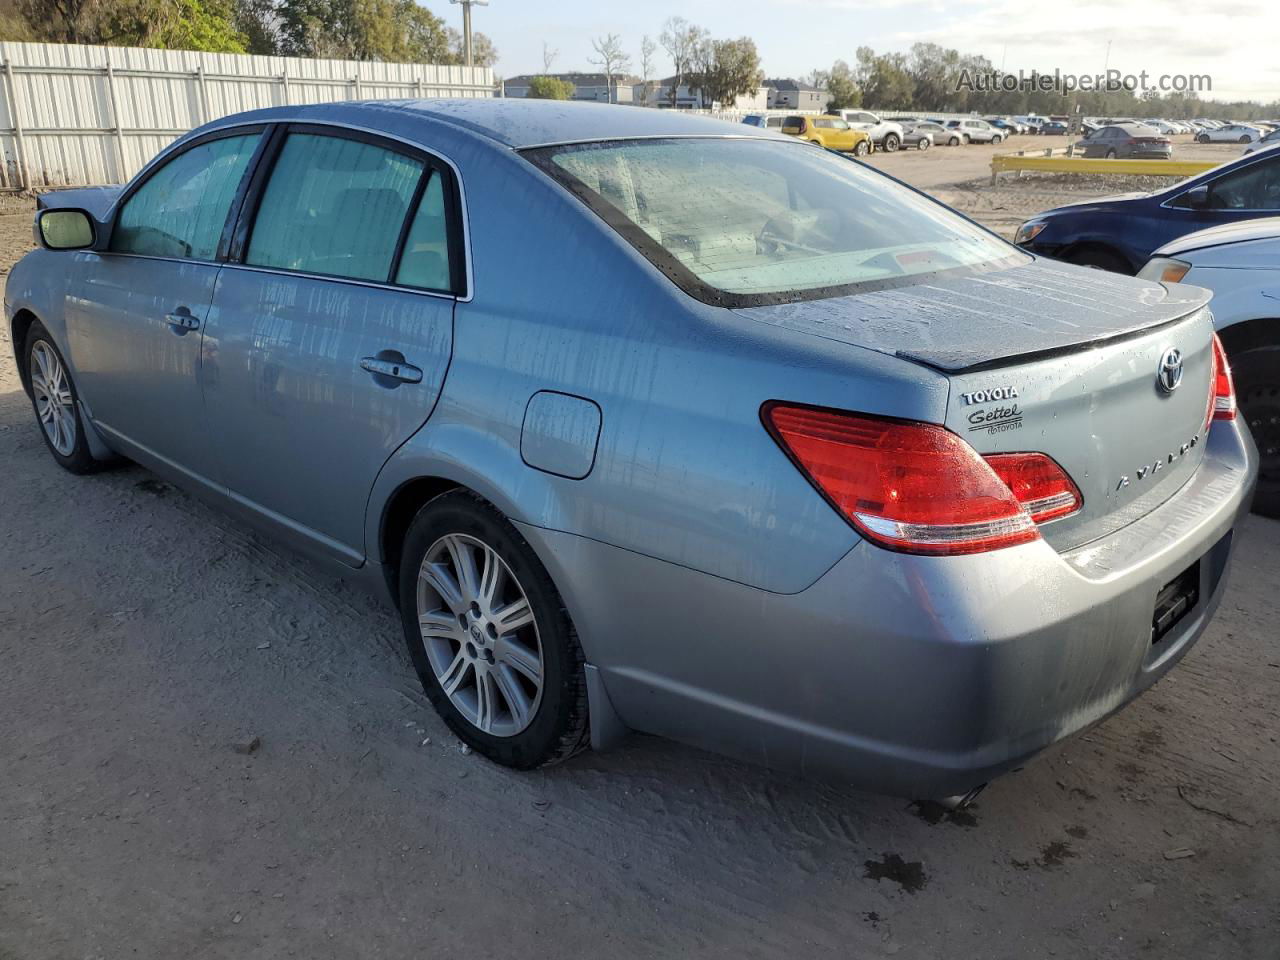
column 891, row 142
column 55, row 400
column 489, row 635
column 924, row 143
column 1110, row 154
column 1257, row 379
column 953, row 141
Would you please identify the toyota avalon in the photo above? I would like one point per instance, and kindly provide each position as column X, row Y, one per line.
column 652, row 422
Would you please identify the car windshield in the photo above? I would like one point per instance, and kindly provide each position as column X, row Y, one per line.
column 767, row 221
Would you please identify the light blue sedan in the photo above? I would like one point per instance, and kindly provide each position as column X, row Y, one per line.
column 653, row 422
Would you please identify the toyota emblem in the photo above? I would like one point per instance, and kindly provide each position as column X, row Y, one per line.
column 1169, row 374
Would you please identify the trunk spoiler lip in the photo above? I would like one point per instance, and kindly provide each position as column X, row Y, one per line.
column 1048, row 353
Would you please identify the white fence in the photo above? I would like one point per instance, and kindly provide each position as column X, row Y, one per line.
column 73, row 115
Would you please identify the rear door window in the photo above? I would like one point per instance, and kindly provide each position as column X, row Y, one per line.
column 334, row 206
column 180, row 210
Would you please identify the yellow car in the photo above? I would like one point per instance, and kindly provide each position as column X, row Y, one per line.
column 830, row 132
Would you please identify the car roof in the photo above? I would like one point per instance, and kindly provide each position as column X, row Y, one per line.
column 514, row 122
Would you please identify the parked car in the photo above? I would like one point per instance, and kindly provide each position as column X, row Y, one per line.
column 1032, row 122
column 885, row 134
column 1120, row 233
column 1130, row 142
column 769, row 121
column 1004, row 126
column 703, row 478
column 924, row 135
column 920, row 135
column 1054, row 128
column 975, row 131
column 1266, row 143
column 1230, row 133
column 830, row 132
column 1240, row 264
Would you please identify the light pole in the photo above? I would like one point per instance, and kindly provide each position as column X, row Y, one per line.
column 466, row 26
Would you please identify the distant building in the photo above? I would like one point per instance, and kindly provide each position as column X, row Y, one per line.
column 792, row 95
column 659, row 95
column 586, row 86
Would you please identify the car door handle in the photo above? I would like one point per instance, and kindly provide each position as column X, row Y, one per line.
column 183, row 321
column 395, row 369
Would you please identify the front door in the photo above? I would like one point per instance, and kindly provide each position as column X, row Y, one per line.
column 328, row 342
column 137, row 311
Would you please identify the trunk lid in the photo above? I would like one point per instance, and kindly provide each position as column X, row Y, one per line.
column 1052, row 359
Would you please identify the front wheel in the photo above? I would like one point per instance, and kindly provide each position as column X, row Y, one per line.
column 891, row 142
column 1245, row 140
column 1203, row 138
column 54, row 397
column 489, row 636
column 860, row 149
column 996, row 138
column 1257, row 378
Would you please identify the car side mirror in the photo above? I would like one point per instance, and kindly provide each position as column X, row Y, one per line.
column 1197, row 198
column 65, row 229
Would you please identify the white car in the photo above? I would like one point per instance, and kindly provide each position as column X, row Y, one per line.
column 885, row 134
column 1266, row 143
column 1230, row 133
column 1240, row 263
column 1165, row 127
column 973, row 131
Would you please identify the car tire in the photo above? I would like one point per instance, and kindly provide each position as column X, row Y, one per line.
column 1245, row 140
column 860, row 148
column 1203, row 138
column 997, row 138
column 1100, row 259
column 891, row 143
column 1110, row 154
column 924, row 143
column 56, row 402
column 1257, row 378
column 967, row 140
column 953, row 141
column 519, row 695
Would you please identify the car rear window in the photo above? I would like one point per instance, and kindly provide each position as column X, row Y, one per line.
column 743, row 222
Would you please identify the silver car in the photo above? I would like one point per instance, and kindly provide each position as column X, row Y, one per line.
column 646, row 422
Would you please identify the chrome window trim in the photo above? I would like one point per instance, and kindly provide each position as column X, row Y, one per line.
column 413, row 144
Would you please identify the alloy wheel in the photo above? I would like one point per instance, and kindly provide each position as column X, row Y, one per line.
column 479, row 634
column 54, row 404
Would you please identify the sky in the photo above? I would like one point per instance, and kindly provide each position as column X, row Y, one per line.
column 1231, row 41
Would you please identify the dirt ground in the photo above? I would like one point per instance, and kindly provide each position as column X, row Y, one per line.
column 211, row 749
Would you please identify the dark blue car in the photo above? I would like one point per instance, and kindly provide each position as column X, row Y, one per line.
column 1120, row 233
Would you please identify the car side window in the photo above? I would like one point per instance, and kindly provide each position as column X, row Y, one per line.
column 425, row 260
column 180, row 210
column 334, row 206
column 1257, row 187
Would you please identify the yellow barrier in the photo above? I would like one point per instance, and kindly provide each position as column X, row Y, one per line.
column 1063, row 164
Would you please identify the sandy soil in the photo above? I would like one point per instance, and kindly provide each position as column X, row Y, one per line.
column 211, row 749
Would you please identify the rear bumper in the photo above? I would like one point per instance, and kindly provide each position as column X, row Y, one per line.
column 921, row 676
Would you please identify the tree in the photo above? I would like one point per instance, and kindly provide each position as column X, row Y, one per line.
column 726, row 69
column 483, row 52
column 610, row 58
column 842, row 91
column 187, row 24
column 884, row 80
column 647, row 49
column 549, row 55
column 681, row 39
column 550, row 88
column 259, row 22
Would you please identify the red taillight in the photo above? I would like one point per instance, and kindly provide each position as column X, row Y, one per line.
column 917, row 487
column 1222, row 399
column 1038, row 483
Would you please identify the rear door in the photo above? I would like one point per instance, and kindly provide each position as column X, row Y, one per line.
column 137, row 311
column 332, row 326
